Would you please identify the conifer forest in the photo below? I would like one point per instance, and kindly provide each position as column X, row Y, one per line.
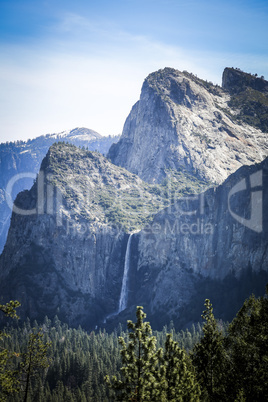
column 211, row 361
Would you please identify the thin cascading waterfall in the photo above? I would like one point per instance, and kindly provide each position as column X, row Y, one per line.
column 124, row 289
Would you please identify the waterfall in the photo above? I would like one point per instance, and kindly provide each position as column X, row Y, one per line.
column 124, row 290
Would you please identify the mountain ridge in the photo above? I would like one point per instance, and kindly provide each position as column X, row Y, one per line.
column 22, row 159
column 181, row 121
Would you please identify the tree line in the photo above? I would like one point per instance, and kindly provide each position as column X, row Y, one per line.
column 210, row 362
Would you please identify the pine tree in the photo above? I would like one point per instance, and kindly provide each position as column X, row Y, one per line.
column 247, row 345
column 139, row 363
column 209, row 358
column 177, row 379
column 34, row 359
column 8, row 374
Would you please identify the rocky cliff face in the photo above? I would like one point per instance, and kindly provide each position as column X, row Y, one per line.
column 214, row 245
column 66, row 245
column 21, row 161
column 67, row 256
column 236, row 81
column 181, row 121
column 248, row 97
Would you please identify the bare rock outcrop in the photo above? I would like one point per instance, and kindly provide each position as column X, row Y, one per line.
column 181, row 121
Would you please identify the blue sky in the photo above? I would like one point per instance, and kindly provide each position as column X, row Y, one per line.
column 67, row 63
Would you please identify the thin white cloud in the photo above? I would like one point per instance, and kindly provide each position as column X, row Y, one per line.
column 92, row 78
column 70, row 22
